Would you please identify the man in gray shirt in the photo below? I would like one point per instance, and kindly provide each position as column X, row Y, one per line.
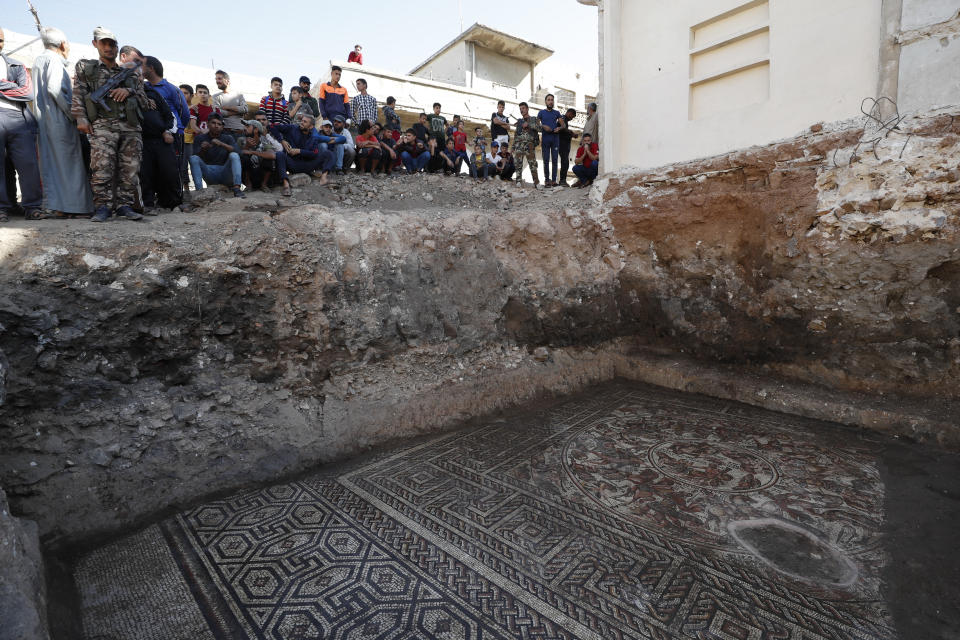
column 232, row 106
column 592, row 125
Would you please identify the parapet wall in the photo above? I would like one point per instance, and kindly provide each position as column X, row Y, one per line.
column 153, row 365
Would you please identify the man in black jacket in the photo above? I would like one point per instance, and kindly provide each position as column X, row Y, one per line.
column 159, row 171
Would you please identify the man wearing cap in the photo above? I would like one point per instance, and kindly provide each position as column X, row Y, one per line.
column 18, row 140
column 258, row 154
column 347, row 151
column 113, row 130
column 309, row 99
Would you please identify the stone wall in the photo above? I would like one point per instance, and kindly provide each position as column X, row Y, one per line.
column 150, row 366
column 832, row 258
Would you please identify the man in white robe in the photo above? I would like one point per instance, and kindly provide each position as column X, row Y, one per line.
column 66, row 188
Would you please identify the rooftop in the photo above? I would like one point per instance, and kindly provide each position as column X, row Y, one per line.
column 499, row 41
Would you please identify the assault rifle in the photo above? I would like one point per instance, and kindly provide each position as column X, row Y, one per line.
column 36, row 18
column 99, row 96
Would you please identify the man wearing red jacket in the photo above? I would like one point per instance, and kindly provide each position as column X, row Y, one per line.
column 588, row 161
column 355, row 55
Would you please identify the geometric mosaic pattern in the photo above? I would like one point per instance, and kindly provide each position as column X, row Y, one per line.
column 602, row 517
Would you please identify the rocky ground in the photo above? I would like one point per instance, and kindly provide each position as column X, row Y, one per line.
column 443, row 195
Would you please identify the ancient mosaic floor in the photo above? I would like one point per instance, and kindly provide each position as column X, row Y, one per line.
column 626, row 513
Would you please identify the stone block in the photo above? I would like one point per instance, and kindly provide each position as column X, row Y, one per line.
column 298, row 179
column 927, row 74
column 23, row 598
column 922, row 13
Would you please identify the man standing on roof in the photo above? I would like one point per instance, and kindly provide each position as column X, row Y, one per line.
column 333, row 99
column 355, row 55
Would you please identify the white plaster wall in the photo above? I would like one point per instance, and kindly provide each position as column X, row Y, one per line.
column 921, row 13
column 494, row 67
column 451, row 66
column 824, row 58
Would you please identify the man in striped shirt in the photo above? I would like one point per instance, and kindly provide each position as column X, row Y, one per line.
column 363, row 106
column 274, row 104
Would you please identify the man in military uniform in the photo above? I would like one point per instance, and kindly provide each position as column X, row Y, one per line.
column 114, row 131
column 525, row 144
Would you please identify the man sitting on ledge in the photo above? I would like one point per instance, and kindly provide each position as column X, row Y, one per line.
column 301, row 151
column 214, row 159
column 587, row 162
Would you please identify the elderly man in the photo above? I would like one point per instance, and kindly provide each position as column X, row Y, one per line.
column 592, row 126
column 66, row 190
column 309, row 99
column 18, row 140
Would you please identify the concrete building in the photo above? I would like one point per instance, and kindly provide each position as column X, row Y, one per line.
column 490, row 61
column 688, row 79
column 469, row 74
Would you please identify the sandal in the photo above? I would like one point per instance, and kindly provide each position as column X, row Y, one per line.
column 4, row 217
column 34, row 214
column 286, row 192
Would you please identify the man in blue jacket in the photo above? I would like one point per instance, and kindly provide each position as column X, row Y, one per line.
column 301, row 151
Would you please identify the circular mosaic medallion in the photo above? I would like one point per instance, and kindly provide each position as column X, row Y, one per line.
column 713, row 466
column 688, row 476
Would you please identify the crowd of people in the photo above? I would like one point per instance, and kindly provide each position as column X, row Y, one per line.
column 115, row 138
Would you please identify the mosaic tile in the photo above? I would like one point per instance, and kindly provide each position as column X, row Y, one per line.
column 626, row 513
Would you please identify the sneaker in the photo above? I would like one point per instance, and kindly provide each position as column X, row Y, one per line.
column 128, row 213
column 237, row 193
column 102, row 214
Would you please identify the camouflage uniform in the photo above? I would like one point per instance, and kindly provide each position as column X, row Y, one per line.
column 116, row 147
column 524, row 146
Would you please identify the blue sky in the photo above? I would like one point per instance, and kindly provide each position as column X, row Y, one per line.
column 269, row 38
